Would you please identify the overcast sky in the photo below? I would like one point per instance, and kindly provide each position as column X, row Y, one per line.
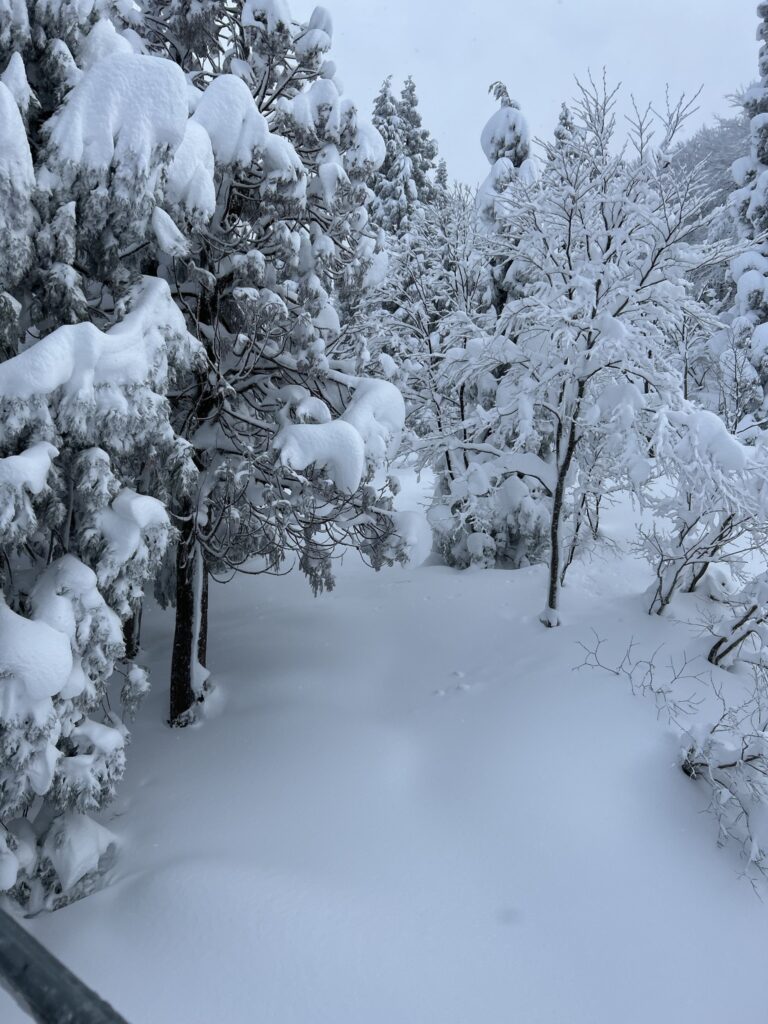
column 535, row 47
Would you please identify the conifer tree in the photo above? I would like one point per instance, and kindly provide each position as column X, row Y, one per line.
column 505, row 140
column 749, row 316
column 441, row 176
column 405, row 180
column 281, row 392
column 92, row 341
column 419, row 145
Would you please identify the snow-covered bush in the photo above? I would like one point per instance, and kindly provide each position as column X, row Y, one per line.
column 722, row 737
column 730, row 756
column 711, row 507
column 490, row 503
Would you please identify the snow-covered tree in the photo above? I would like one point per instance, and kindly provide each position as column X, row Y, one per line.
column 419, row 145
column 286, row 431
column 750, row 203
column 598, row 247
column 436, row 287
column 91, row 344
column 441, row 177
column 406, row 179
column 711, row 151
column 506, row 142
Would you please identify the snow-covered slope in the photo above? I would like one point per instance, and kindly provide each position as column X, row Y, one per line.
column 408, row 808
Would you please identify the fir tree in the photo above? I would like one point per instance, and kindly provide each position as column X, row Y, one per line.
column 281, row 392
column 506, row 143
column 91, row 344
column 441, row 176
column 404, row 181
column 749, row 316
column 418, row 144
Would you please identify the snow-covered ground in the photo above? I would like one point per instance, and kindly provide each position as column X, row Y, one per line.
column 406, row 807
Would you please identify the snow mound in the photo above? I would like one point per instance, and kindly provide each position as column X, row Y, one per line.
column 317, row 108
column 125, row 524
column 377, row 412
column 102, row 42
column 282, row 166
column 704, row 438
column 80, row 357
column 506, row 134
column 74, row 845
column 336, row 446
column 190, row 182
column 367, row 152
column 15, row 78
column 121, row 113
column 167, row 235
column 30, row 469
column 273, row 14
column 35, row 654
column 234, row 125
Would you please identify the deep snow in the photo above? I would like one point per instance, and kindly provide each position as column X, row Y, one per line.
column 406, row 807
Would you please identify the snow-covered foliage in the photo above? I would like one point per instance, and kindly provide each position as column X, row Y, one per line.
column 435, row 310
column 436, row 289
column 714, row 148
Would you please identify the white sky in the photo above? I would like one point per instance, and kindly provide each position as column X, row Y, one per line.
column 535, row 47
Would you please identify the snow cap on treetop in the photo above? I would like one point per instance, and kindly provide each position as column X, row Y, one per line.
column 506, row 134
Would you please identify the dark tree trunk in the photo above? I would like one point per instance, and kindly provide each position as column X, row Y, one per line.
column 550, row 616
column 190, row 639
column 183, row 658
column 202, row 639
column 132, row 634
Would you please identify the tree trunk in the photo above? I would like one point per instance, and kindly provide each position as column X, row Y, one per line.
column 202, row 637
column 132, row 634
column 549, row 617
column 184, row 637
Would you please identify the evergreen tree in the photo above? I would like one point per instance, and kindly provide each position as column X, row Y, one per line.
column 404, row 181
column 505, row 140
column 441, row 176
column 282, row 391
column 749, row 315
column 566, row 128
column 92, row 341
column 419, row 145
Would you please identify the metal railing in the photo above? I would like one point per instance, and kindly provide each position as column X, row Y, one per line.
column 42, row 986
